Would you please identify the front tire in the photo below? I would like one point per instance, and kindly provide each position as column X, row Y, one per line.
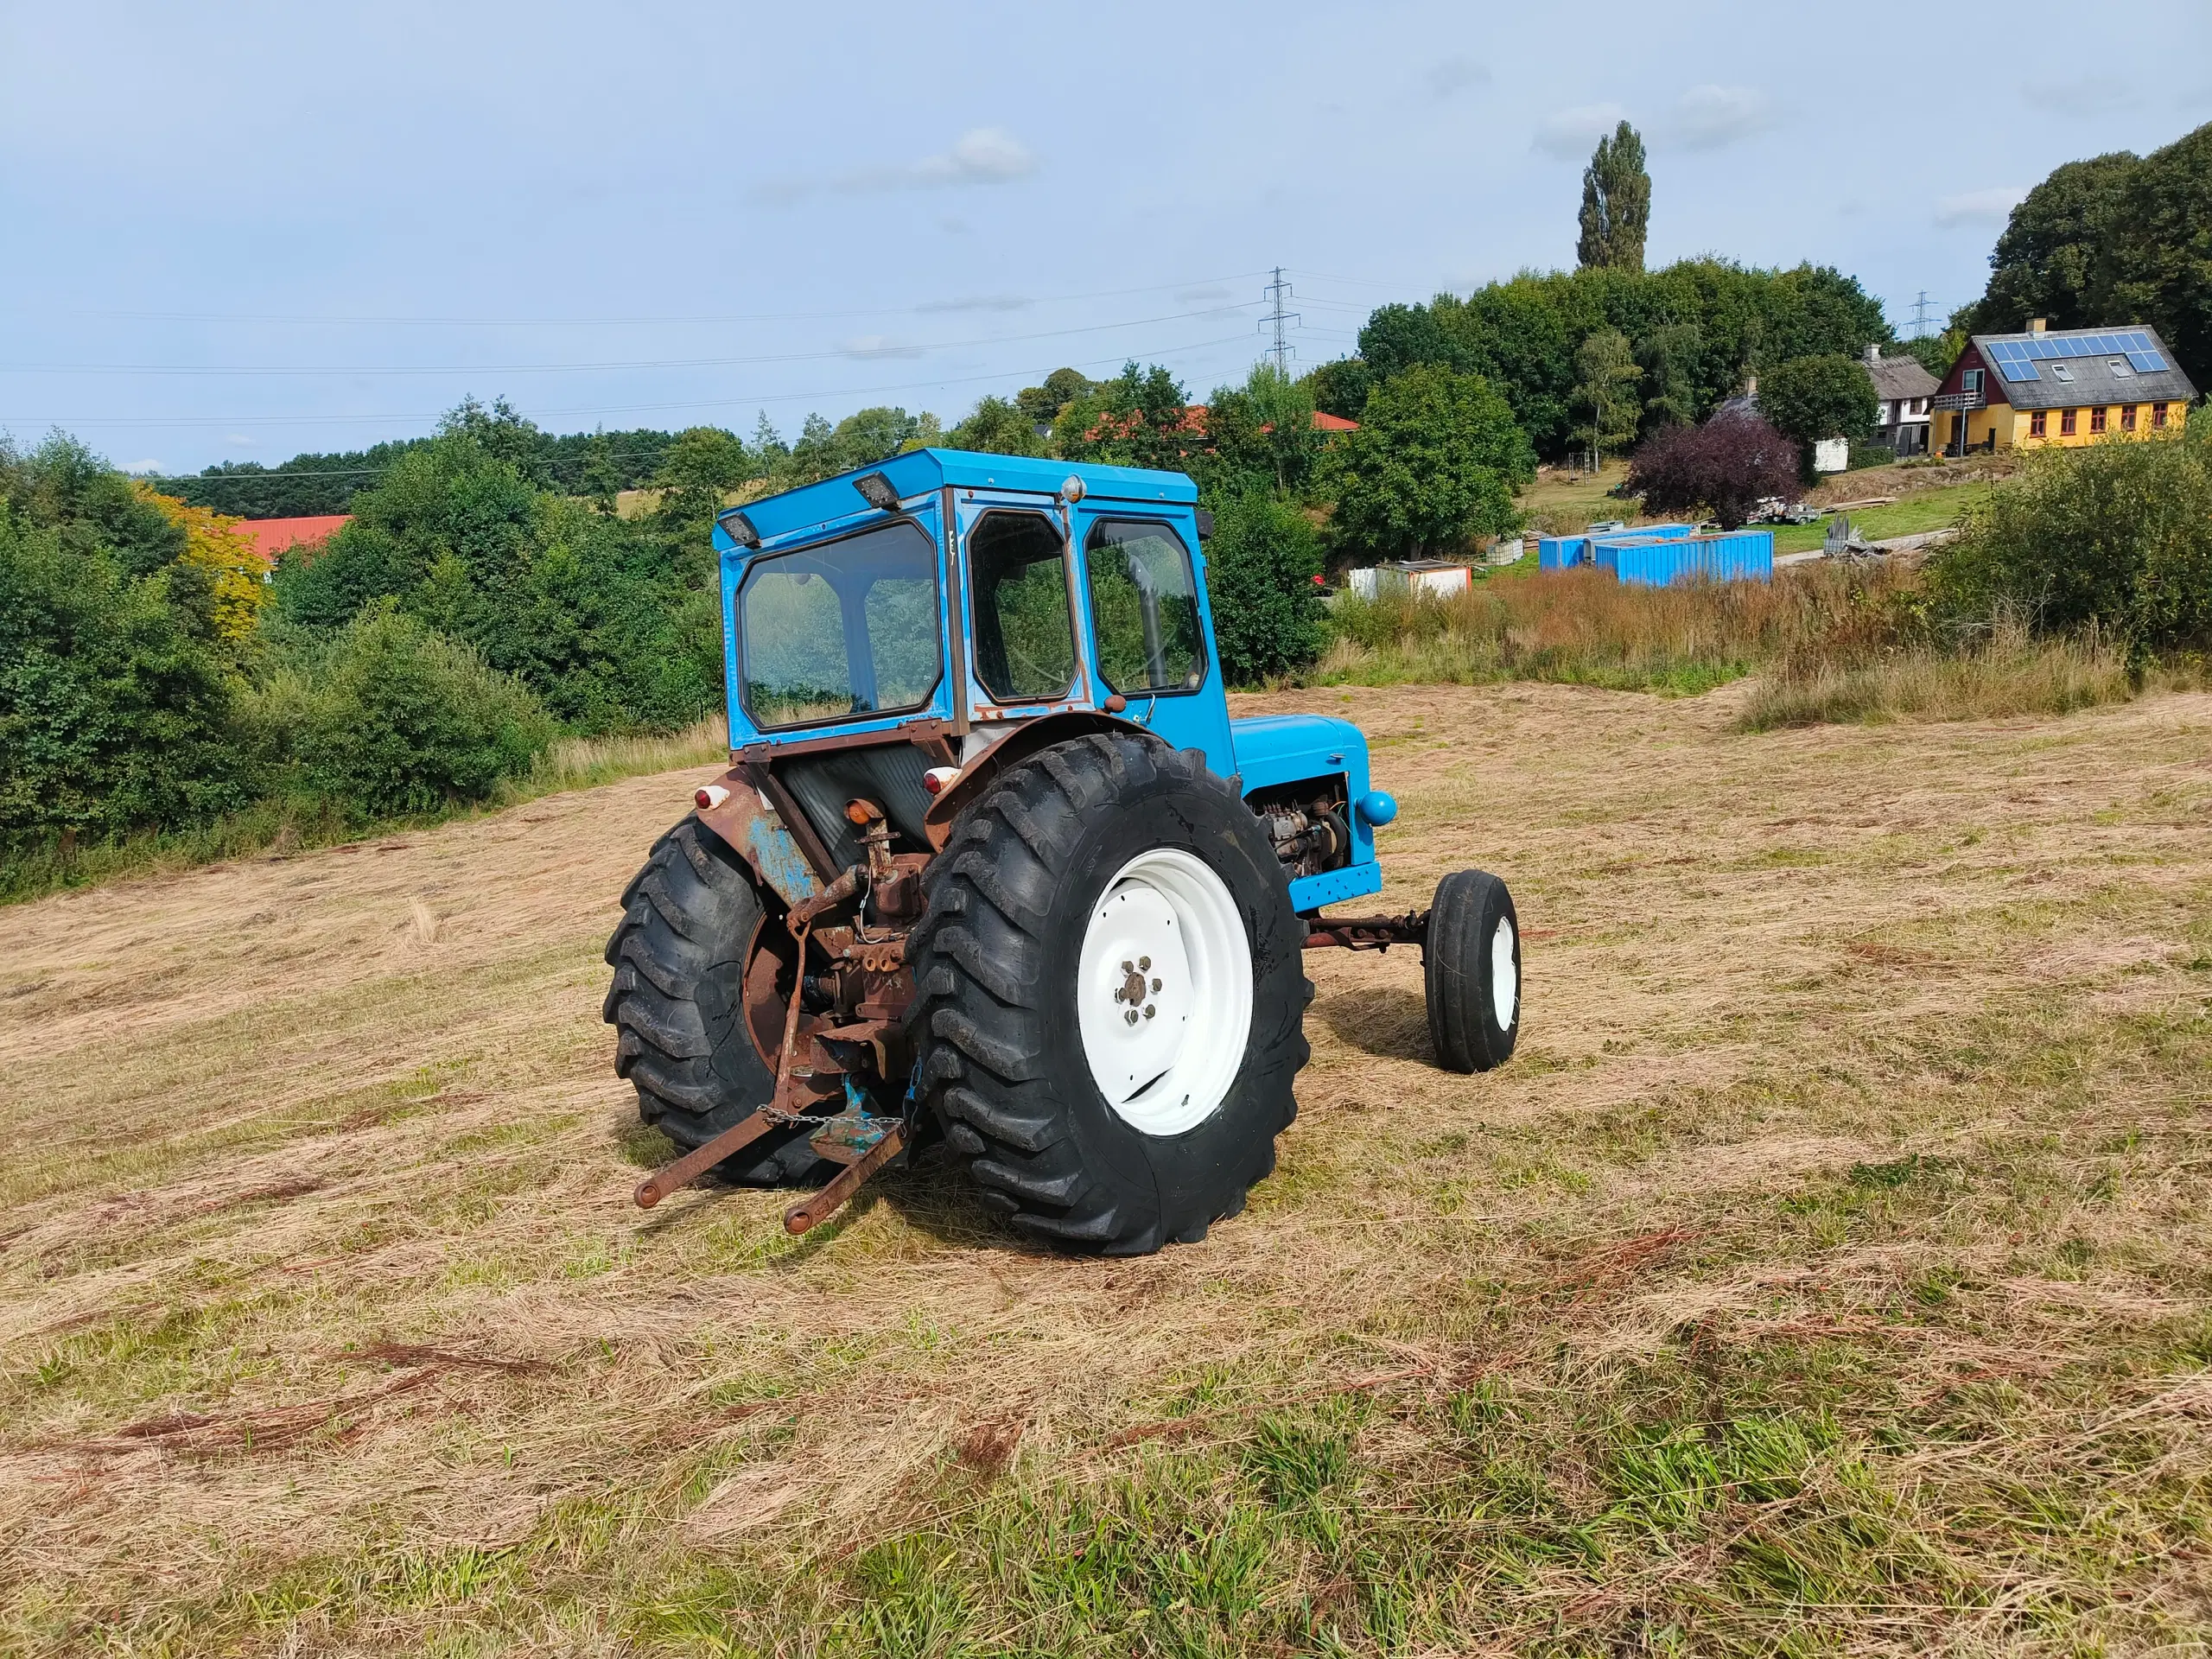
column 689, row 921
column 1471, row 965
column 1092, row 1129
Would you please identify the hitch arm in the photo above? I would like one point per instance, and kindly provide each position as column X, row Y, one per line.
column 692, row 1165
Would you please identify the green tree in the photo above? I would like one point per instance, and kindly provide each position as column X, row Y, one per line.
column 1042, row 404
column 1436, row 458
column 1606, row 390
column 703, row 465
column 1260, row 435
column 1340, row 388
column 1139, row 419
column 1615, row 204
column 602, row 479
column 1809, row 398
column 1669, row 357
column 997, row 427
column 1260, row 566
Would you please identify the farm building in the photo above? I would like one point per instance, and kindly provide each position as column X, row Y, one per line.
column 1901, row 391
column 2062, row 386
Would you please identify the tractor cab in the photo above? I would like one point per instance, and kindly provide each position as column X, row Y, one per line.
column 907, row 631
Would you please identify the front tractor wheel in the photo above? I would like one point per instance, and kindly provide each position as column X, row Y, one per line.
column 1109, row 995
column 1472, row 967
column 700, row 1049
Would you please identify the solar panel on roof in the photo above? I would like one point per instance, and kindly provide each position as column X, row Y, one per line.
column 2147, row 362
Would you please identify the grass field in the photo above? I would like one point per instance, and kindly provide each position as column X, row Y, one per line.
column 1935, row 509
column 1827, row 1272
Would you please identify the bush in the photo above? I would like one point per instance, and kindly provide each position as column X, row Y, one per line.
column 392, row 719
column 2117, row 535
column 1268, row 619
column 1725, row 468
column 116, row 709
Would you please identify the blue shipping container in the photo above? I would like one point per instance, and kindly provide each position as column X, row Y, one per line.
column 1565, row 552
column 1732, row 555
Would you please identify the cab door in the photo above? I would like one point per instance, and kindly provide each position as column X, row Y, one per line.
column 1022, row 648
column 1151, row 631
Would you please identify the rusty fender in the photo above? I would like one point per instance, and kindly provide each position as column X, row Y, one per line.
column 740, row 815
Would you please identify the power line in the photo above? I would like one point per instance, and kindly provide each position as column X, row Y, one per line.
column 1921, row 320
column 926, row 309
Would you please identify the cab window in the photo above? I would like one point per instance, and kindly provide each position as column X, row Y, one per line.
column 1144, row 609
column 1018, row 581
column 849, row 628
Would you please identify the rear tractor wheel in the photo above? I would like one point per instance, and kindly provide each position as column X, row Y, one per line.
column 692, row 926
column 1109, row 995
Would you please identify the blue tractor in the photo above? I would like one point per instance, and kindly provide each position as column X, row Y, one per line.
column 992, row 865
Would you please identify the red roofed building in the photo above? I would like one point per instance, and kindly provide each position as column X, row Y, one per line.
column 271, row 536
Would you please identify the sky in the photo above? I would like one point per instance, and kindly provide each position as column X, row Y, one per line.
column 242, row 230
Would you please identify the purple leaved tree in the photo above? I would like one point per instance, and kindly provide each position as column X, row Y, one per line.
column 1725, row 468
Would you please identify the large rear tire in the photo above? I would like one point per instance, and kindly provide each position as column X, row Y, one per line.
column 1102, row 1105
column 689, row 918
column 1471, row 964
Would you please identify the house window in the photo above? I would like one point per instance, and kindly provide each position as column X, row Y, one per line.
column 2121, row 368
column 2157, row 415
column 2061, row 372
column 2066, row 422
column 2097, row 420
column 2127, row 418
column 1970, row 382
column 2039, row 424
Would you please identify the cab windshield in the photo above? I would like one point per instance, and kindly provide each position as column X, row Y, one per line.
column 850, row 628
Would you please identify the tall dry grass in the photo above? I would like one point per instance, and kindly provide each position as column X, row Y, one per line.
column 1831, row 642
column 2009, row 672
column 1582, row 627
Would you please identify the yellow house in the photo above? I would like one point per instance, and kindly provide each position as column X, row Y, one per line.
column 2057, row 387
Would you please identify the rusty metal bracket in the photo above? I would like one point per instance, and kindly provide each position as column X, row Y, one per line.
column 1367, row 932
column 810, row 1212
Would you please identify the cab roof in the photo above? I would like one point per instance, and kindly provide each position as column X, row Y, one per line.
column 834, row 501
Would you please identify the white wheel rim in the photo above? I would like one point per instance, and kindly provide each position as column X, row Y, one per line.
column 1164, row 992
column 1504, row 976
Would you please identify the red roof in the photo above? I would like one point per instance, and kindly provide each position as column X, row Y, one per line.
column 1333, row 423
column 270, row 537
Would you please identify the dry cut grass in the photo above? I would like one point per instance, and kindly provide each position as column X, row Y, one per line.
column 1827, row 1272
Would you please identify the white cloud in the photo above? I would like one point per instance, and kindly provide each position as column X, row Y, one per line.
column 1570, row 134
column 1992, row 205
column 1455, row 75
column 1709, row 117
column 238, row 440
column 981, row 156
column 153, row 467
column 2083, row 95
column 1205, row 296
column 871, row 347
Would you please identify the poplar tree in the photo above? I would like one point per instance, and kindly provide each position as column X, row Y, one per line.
column 1616, row 203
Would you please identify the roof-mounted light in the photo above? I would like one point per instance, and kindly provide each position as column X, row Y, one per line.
column 738, row 528
column 877, row 491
